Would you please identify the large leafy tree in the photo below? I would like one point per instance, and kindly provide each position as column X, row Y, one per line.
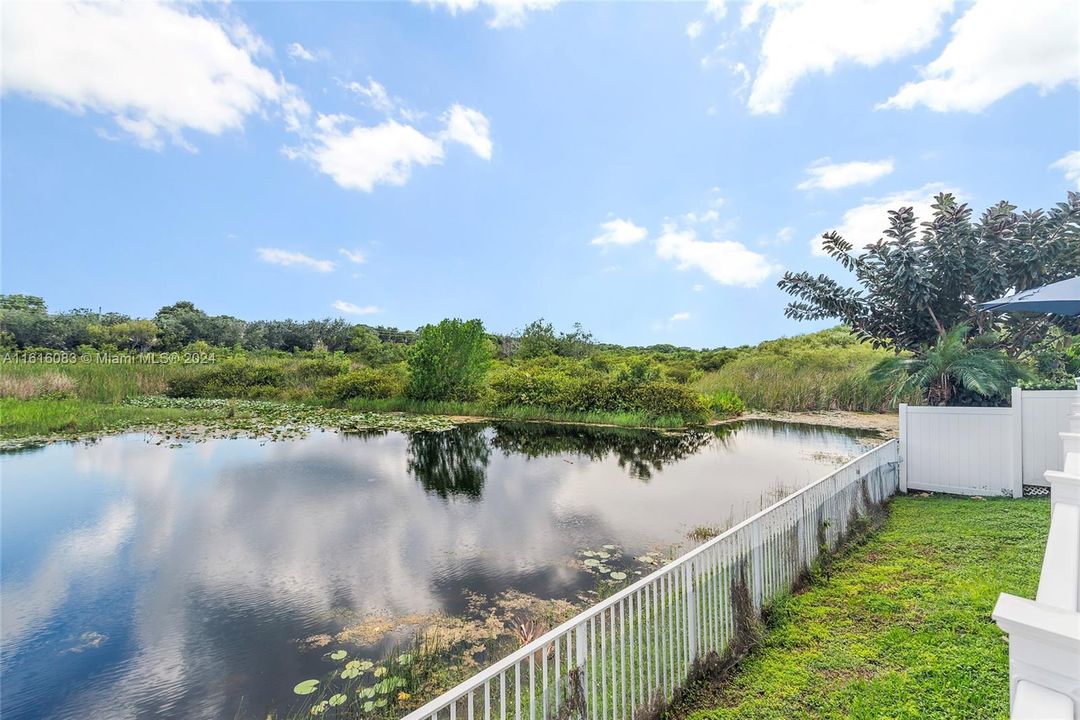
column 449, row 361
column 917, row 281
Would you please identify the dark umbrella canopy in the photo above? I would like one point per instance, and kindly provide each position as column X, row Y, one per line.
column 1060, row 298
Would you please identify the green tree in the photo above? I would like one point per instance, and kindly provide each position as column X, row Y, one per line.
column 912, row 284
column 537, row 340
column 948, row 369
column 449, row 361
column 137, row 335
column 364, row 342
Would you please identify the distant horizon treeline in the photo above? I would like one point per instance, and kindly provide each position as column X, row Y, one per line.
column 26, row 322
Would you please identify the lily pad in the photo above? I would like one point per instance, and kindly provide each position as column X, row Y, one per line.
column 369, row 706
column 379, row 671
column 609, row 547
column 306, row 688
column 603, row 555
column 338, row 655
column 618, row 576
column 337, row 699
column 592, row 562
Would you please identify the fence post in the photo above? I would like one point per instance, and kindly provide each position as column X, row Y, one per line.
column 692, row 612
column 903, row 447
column 757, row 569
column 1017, row 443
column 580, row 655
column 804, row 555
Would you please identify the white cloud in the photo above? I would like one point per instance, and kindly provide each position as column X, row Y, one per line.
column 470, row 128
column 998, row 47
column 709, row 216
column 679, row 317
column 620, row 232
column 1070, row 165
column 783, row 237
column 698, row 287
column 817, row 35
column 833, row 176
column 725, row 261
column 158, row 69
column 504, row 13
column 716, row 9
column 359, row 157
column 865, row 224
column 353, row 256
column 350, row 309
column 375, row 93
column 694, row 29
column 299, row 52
column 288, row 258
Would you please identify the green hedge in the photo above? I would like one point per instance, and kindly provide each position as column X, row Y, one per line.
column 553, row 389
column 367, row 383
column 232, row 378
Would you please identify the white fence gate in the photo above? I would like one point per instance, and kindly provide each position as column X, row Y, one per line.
column 983, row 451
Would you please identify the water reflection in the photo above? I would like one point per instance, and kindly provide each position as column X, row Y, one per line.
column 640, row 452
column 144, row 581
column 452, row 463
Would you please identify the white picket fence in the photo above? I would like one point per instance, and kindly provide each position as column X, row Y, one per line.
column 632, row 651
column 983, row 451
column 1044, row 633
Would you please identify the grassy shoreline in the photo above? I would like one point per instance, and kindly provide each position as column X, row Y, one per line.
column 44, row 420
column 899, row 626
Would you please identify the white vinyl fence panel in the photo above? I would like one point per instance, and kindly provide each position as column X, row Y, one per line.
column 965, row 451
column 631, row 652
column 1045, row 414
column 983, row 451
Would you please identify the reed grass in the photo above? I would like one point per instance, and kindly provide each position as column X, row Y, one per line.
column 49, row 416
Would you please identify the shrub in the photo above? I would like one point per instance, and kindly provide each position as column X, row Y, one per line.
column 232, row 378
column 725, row 404
column 367, row 383
column 528, row 386
column 322, row 367
column 553, row 389
column 661, row 399
column 449, row 361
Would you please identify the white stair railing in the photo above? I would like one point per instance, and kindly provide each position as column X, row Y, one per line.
column 1044, row 634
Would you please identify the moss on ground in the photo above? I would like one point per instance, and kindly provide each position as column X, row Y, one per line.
column 900, row 627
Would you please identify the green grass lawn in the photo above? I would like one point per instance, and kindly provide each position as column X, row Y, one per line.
column 900, row 627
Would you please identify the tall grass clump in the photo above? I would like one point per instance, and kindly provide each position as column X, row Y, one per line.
column 49, row 384
column 98, row 381
column 828, row 370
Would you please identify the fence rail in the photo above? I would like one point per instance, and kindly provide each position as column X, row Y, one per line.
column 634, row 650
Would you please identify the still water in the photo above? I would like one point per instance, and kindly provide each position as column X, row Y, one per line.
column 139, row 580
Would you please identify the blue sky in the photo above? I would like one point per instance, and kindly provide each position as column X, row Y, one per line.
column 646, row 169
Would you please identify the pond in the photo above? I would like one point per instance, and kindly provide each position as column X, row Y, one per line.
column 206, row 580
